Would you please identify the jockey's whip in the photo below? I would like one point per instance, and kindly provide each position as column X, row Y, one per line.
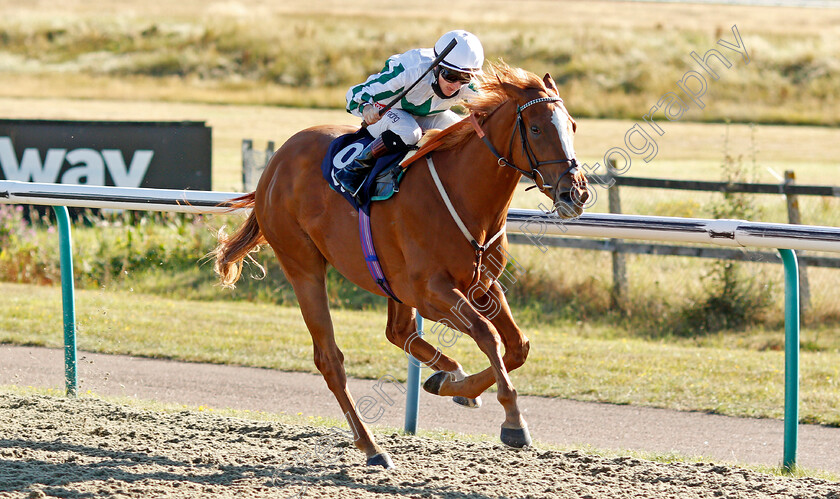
column 443, row 53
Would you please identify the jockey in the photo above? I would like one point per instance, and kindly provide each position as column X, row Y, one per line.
column 426, row 106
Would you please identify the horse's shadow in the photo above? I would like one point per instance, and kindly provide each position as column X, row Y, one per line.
column 290, row 481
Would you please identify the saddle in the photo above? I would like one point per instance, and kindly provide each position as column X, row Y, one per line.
column 384, row 179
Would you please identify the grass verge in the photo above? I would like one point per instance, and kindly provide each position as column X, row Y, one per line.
column 589, row 362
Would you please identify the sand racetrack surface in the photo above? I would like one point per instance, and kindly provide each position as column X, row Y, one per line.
column 54, row 446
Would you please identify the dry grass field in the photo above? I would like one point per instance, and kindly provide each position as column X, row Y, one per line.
column 686, row 151
column 263, row 70
column 612, row 59
column 256, row 70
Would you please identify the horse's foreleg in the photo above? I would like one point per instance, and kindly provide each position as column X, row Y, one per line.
column 314, row 305
column 515, row 342
column 447, row 303
column 402, row 332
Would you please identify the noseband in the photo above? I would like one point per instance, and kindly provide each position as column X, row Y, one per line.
column 533, row 161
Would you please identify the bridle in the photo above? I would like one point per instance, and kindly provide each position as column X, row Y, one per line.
column 534, row 163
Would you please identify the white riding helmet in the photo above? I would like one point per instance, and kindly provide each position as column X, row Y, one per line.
column 467, row 56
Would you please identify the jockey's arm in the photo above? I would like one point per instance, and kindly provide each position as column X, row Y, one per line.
column 377, row 88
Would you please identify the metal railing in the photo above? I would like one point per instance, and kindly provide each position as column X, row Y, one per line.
column 534, row 225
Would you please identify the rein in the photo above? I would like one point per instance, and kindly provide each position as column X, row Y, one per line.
column 533, row 161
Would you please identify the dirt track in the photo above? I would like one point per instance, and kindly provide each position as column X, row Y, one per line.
column 556, row 421
column 52, row 446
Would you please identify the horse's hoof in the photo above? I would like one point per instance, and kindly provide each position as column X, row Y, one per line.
column 516, row 437
column 467, row 402
column 433, row 382
column 381, row 459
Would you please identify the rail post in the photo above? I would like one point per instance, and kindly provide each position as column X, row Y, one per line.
column 269, row 152
column 71, row 379
column 252, row 167
column 791, row 358
column 247, row 164
column 620, row 292
column 412, row 394
column 795, row 217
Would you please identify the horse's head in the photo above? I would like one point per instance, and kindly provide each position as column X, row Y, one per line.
column 545, row 132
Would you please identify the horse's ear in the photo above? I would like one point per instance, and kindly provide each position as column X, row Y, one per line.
column 549, row 84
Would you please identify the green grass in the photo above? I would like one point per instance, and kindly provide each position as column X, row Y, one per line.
column 668, row 297
column 589, row 362
column 162, row 254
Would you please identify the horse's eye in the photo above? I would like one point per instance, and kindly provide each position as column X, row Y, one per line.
column 535, row 130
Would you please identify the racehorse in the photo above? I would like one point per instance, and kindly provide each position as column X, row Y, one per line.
column 430, row 238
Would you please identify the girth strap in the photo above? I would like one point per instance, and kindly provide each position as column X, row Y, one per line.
column 370, row 256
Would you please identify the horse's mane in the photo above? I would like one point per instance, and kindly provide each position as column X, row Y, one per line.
column 491, row 96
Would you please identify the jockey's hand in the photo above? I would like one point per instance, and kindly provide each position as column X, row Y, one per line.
column 371, row 114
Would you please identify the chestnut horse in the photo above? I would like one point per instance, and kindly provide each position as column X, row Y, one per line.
column 423, row 242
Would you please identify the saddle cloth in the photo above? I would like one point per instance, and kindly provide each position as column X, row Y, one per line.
column 381, row 183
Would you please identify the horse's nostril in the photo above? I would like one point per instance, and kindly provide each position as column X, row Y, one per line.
column 563, row 198
column 582, row 196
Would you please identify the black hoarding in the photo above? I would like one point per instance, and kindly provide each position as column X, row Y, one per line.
column 170, row 155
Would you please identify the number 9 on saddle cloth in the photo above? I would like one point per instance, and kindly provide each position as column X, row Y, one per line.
column 382, row 181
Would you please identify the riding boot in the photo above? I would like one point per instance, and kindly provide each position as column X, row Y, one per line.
column 353, row 176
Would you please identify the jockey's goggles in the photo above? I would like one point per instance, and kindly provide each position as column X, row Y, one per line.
column 453, row 76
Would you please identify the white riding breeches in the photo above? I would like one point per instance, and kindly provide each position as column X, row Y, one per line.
column 409, row 127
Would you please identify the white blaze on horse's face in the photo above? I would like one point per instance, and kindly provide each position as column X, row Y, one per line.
column 563, row 124
column 568, row 202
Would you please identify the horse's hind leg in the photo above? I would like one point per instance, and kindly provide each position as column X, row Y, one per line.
column 402, row 332
column 309, row 283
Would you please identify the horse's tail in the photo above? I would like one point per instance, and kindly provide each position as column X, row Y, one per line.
column 233, row 250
